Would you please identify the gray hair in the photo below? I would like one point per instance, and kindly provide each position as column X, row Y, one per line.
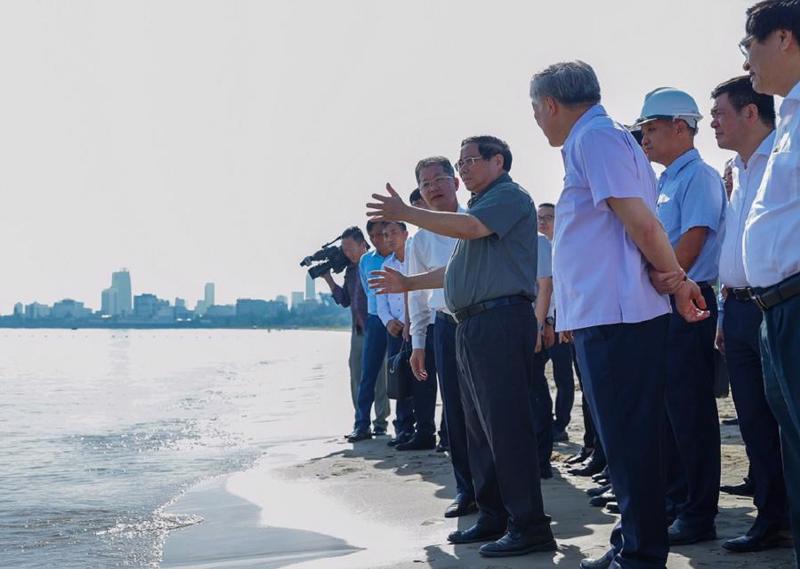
column 569, row 83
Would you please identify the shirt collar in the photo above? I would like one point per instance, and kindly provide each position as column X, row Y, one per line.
column 594, row 111
column 764, row 149
column 791, row 101
column 501, row 179
column 681, row 162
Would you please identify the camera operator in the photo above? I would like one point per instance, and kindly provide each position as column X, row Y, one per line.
column 352, row 294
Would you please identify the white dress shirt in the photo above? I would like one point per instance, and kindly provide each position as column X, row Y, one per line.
column 772, row 230
column 746, row 181
column 429, row 251
column 392, row 306
column 599, row 274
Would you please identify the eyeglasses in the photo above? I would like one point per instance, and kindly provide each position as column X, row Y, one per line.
column 469, row 161
column 744, row 45
column 545, row 217
column 438, row 180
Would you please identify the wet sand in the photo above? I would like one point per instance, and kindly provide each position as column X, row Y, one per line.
column 318, row 502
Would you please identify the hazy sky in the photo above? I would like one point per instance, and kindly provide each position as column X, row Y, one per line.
column 195, row 141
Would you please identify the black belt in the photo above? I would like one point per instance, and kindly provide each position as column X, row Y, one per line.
column 448, row 317
column 705, row 284
column 745, row 294
column 771, row 296
column 475, row 309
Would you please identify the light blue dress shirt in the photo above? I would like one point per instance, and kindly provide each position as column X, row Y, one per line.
column 370, row 261
column 691, row 194
column 599, row 275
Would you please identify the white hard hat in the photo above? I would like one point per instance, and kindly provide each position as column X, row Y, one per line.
column 668, row 103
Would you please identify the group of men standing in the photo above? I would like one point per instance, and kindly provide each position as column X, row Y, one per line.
column 657, row 247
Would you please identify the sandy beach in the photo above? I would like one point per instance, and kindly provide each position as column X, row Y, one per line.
column 315, row 501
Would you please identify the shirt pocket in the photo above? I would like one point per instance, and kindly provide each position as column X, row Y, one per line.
column 668, row 213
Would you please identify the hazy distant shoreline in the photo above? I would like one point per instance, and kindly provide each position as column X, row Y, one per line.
column 157, row 326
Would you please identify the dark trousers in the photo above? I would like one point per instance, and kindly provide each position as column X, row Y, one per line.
column 561, row 356
column 590, row 439
column 691, row 440
column 780, row 350
column 623, row 373
column 371, row 361
column 495, row 356
column 444, row 346
column 742, row 331
column 404, row 408
column 424, row 392
column 542, row 408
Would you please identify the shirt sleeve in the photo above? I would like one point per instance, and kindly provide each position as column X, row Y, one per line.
column 384, row 310
column 702, row 201
column 544, row 263
column 419, row 312
column 341, row 295
column 611, row 167
column 502, row 208
column 362, row 272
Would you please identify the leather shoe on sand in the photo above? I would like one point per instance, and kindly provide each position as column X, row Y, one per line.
column 603, row 562
column 475, row 534
column 418, row 442
column 461, row 506
column 520, row 543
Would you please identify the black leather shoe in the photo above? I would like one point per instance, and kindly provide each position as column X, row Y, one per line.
column 442, row 446
column 746, row 488
column 681, row 534
column 519, row 543
column 399, row 439
column 379, row 431
column 418, row 442
column 602, row 475
column 590, row 469
column 603, row 499
column 475, row 534
column 599, row 491
column 580, row 457
column 612, row 508
column 603, row 562
column 759, row 538
column 358, row 435
column 461, row 506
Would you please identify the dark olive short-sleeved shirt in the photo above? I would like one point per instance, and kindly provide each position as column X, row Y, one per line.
column 502, row 263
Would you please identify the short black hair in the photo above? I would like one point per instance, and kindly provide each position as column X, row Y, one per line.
column 415, row 196
column 434, row 161
column 400, row 223
column 741, row 93
column 489, row 146
column 355, row 234
column 547, row 204
column 371, row 224
column 765, row 17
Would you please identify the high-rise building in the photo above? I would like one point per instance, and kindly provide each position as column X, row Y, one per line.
column 311, row 289
column 19, row 310
column 282, row 299
column 297, row 299
column 109, row 302
column 121, row 282
column 37, row 310
column 209, row 294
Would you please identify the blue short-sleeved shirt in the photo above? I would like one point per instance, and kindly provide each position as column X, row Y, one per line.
column 691, row 194
column 370, row 261
column 599, row 275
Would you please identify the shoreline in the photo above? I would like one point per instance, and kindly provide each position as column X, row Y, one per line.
column 317, row 502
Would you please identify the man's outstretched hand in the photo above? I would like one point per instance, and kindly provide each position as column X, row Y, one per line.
column 690, row 302
column 388, row 281
column 387, row 208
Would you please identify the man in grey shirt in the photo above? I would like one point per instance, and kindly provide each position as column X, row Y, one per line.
column 489, row 286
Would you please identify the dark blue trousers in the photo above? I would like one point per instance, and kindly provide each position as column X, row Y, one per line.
column 742, row 330
column 542, row 407
column 623, row 374
column 371, row 361
column 424, row 392
column 691, row 441
column 780, row 350
column 495, row 356
column 561, row 356
column 444, row 345
column 404, row 408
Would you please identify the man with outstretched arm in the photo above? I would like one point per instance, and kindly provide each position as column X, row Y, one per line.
column 489, row 286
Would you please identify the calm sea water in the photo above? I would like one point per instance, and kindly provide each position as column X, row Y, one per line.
column 101, row 429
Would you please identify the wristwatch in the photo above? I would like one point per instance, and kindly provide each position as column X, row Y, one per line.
column 550, row 321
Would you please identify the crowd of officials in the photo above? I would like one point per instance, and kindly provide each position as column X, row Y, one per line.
column 637, row 278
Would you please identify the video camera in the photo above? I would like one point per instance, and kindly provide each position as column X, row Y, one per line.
column 333, row 258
